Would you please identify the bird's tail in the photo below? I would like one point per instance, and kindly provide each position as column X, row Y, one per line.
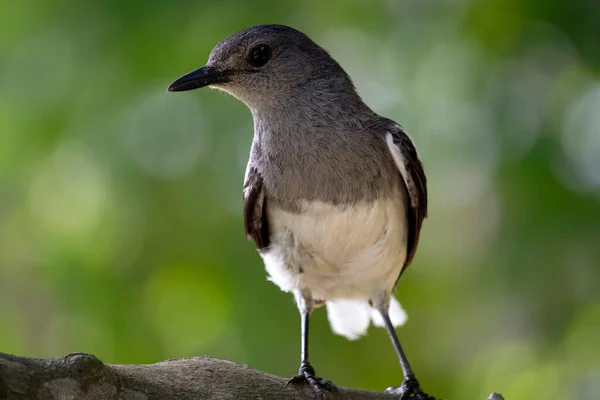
column 351, row 318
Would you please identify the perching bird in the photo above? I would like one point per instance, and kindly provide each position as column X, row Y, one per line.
column 334, row 194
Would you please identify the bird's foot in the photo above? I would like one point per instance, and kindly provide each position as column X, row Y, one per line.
column 410, row 390
column 307, row 375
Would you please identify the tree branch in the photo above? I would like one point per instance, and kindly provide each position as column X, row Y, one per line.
column 83, row 376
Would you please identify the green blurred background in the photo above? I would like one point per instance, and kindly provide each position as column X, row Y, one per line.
column 120, row 204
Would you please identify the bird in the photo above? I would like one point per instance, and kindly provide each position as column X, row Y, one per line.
column 334, row 194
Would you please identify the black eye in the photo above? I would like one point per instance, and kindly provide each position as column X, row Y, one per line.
column 260, row 55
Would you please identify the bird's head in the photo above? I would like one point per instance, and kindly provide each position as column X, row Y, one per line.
column 268, row 65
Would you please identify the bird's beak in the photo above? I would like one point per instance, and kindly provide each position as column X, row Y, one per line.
column 197, row 79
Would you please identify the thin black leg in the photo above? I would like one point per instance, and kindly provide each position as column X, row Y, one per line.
column 304, row 329
column 307, row 372
column 305, row 367
column 410, row 387
column 406, row 369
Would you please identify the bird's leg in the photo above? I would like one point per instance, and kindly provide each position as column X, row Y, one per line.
column 410, row 388
column 307, row 372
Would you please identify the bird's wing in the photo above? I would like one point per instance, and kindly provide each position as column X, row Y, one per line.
column 407, row 160
column 255, row 208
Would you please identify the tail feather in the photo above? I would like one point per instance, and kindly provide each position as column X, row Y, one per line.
column 351, row 318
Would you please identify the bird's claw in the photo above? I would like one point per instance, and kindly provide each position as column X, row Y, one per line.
column 307, row 375
column 410, row 390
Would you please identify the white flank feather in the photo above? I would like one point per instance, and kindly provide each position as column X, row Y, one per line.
column 351, row 318
column 397, row 315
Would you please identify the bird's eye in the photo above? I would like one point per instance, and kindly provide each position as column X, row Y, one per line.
column 260, row 55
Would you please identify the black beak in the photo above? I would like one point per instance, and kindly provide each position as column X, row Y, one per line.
column 197, row 79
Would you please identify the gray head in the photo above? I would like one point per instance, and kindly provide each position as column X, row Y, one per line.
column 269, row 66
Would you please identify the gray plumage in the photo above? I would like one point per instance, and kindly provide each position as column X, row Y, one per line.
column 334, row 194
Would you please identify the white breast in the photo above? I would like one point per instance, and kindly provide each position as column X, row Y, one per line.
column 334, row 252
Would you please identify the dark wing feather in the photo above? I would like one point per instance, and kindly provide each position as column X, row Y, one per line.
column 255, row 209
column 415, row 182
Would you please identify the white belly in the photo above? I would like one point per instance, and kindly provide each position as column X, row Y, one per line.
column 351, row 252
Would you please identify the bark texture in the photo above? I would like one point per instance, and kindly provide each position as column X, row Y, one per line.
column 83, row 376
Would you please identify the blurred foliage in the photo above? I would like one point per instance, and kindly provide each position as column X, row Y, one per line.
column 120, row 205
